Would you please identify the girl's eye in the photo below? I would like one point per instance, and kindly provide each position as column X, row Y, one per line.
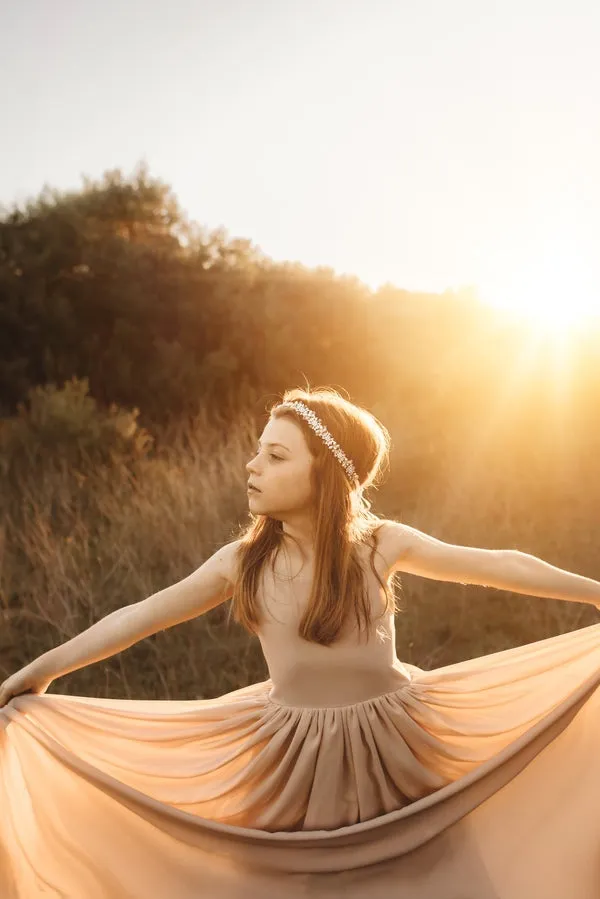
column 272, row 455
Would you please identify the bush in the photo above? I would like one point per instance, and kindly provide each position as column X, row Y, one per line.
column 67, row 423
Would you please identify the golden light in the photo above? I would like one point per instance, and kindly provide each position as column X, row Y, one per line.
column 554, row 294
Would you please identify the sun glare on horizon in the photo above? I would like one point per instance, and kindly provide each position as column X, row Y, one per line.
column 554, row 295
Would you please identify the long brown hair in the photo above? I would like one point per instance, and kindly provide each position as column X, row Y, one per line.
column 343, row 520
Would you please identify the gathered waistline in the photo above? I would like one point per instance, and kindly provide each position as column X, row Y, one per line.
column 346, row 705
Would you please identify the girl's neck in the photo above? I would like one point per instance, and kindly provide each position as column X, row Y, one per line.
column 296, row 550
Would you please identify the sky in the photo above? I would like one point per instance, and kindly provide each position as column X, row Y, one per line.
column 433, row 144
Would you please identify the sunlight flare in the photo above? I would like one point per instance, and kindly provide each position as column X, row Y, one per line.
column 554, row 294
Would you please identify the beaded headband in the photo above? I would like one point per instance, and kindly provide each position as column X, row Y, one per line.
column 319, row 428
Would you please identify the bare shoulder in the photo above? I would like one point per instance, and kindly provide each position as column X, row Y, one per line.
column 416, row 552
column 393, row 541
column 396, row 541
column 228, row 559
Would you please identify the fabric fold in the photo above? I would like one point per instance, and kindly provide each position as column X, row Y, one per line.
column 479, row 779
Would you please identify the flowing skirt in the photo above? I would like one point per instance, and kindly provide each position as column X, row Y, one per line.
column 477, row 780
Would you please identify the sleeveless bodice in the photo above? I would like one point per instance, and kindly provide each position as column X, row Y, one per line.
column 304, row 673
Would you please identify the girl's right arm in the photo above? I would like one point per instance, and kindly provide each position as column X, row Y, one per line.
column 207, row 587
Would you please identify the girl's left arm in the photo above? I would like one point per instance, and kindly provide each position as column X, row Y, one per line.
column 419, row 553
column 524, row 573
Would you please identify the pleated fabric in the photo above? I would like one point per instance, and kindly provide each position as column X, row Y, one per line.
column 477, row 780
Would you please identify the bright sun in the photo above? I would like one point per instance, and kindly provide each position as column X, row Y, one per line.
column 553, row 295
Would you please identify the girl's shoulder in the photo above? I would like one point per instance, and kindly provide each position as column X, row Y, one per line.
column 385, row 538
column 230, row 560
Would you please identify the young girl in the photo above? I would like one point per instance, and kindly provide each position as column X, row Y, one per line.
column 347, row 771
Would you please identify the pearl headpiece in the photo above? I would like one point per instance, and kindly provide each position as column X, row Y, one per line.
column 319, row 428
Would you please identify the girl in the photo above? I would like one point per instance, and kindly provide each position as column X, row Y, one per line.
column 346, row 771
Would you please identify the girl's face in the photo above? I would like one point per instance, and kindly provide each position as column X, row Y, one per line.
column 280, row 470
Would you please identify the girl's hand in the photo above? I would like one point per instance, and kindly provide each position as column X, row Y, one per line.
column 26, row 680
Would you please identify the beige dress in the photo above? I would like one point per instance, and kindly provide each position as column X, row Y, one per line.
column 346, row 774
